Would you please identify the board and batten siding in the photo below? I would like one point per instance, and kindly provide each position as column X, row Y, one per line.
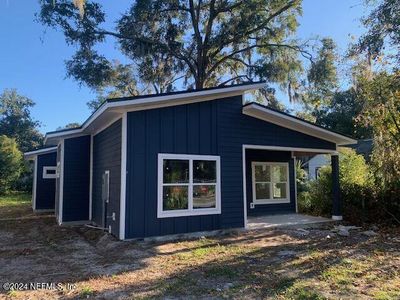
column 107, row 156
column 189, row 129
column 45, row 187
column 207, row 128
column 76, row 179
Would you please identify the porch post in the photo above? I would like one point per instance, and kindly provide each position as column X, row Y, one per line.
column 336, row 199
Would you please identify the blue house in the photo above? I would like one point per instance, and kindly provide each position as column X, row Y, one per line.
column 179, row 162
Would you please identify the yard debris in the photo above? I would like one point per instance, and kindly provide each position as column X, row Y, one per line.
column 228, row 285
column 344, row 230
column 287, row 253
column 369, row 233
column 303, row 232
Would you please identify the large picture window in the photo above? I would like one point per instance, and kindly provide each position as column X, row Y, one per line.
column 188, row 185
column 270, row 182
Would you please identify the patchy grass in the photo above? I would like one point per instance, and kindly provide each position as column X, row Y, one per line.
column 15, row 199
column 274, row 264
column 221, row 271
column 15, row 205
column 86, row 292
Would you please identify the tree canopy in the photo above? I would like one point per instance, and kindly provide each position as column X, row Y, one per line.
column 383, row 31
column 16, row 120
column 10, row 163
column 381, row 111
column 196, row 43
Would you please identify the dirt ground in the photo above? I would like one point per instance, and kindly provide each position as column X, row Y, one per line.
column 279, row 264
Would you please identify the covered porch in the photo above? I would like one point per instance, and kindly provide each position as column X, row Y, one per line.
column 270, row 189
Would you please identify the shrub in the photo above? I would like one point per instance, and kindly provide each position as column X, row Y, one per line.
column 10, row 163
column 355, row 183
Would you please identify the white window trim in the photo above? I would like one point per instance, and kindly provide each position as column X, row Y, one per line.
column 45, row 175
column 270, row 201
column 190, row 211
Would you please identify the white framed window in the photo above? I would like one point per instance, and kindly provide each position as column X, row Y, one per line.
column 49, row 172
column 270, row 182
column 188, row 185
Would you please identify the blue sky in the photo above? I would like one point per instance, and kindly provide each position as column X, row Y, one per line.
column 32, row 57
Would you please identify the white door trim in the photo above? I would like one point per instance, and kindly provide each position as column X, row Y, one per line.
column 122, row 207
column 35, row 170
column 61, row 195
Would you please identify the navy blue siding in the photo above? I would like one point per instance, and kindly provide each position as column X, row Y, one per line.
column 45, row 187
column 209, row 128
column 76, row 179
column 107, row 156
column 169, row 130
column 269, row 156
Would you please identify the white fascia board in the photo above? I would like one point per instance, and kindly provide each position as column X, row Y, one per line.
column 157, row 102
column 262, row 113
column 32, row 154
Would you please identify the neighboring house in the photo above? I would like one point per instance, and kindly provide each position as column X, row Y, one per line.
column 314, row 164
column 182, row 162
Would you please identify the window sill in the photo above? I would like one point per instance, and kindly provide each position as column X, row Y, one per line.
column 181, row 213
column 277, row 201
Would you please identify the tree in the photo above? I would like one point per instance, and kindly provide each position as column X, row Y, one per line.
column 341, row 115
column 381, row 111
column 16, row 120
column 383, row 31
column 10, row 163
column 69, row 126
column 322, row 81
column 196, row 43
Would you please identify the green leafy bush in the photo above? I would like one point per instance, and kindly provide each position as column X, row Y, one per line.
column 10, row 163
column 355, row 184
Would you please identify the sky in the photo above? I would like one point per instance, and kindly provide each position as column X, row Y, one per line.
column 32, row 57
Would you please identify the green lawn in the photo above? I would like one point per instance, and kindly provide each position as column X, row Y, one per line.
column 15, row 205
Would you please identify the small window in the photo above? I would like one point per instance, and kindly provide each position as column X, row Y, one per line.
column 49, row 172
column 188, row 185
column 270, row 182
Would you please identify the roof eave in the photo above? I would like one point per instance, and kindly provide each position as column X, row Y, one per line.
column 153, row 102
column 290, row 122
column 32, row 154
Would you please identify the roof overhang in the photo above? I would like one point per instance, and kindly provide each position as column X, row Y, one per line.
column 282, row 119
column 112, row 110
column 32, row 154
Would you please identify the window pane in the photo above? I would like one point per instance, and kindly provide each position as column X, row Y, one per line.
column 175, row 197
column 262, row 191
column 279, row 173
column 204, row 196
column 204, row 171
column 262, row 173
column 279, row 190
column 176, row 171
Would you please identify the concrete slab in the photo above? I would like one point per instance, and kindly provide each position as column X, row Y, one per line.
column 283, row 220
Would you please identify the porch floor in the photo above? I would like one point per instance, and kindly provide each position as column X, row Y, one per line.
column 283, row 220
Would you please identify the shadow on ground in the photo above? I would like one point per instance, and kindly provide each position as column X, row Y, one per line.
column 281, row 263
